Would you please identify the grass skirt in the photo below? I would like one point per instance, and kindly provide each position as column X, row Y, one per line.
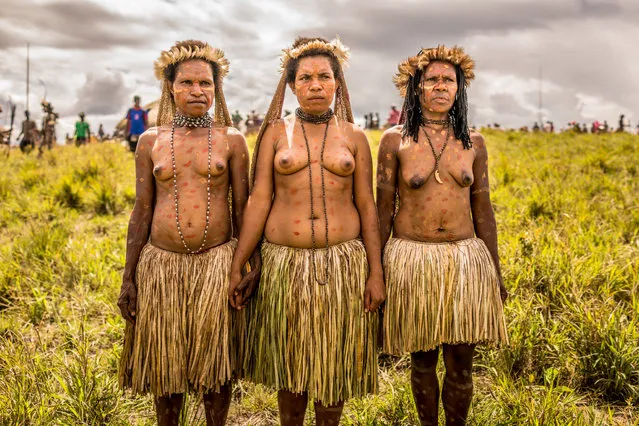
column 186, row 335
column 307, row 337
column 440, row 293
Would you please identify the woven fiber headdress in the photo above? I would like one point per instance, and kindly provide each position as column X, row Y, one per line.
column 342, row 107
column 184, row 51
column 454, row 55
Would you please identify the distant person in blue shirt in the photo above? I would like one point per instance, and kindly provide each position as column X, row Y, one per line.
column 136, row 123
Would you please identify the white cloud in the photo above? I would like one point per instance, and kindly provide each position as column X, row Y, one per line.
column 80, row 48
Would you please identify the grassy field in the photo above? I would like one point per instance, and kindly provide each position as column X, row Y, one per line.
column 568, row 216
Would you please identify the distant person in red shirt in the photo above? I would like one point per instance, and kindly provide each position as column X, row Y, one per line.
column 393, row 117
column 136, row 123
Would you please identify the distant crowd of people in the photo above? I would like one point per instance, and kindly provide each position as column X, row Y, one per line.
column 595, row 127
column 137, row 122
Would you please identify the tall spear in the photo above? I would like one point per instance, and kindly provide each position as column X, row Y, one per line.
column 28, row 45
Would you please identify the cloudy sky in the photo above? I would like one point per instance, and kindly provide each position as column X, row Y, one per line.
column 93, row 56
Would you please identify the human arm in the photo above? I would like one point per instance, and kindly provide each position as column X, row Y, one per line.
column 238, row 171
column 128, row 123
column 482, row 208
column 387, row 168
column 375, row 292
column 139, row 222
column 255, row 214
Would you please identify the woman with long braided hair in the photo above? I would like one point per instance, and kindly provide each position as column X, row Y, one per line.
column 313, row 328
column 441, row 267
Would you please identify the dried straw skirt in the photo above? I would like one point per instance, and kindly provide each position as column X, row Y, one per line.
column 440, row 293
column 186, row 335
column 307, row 337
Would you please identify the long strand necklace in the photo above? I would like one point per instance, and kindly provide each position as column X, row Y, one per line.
column 180, row 121
column 326, row 118
column 437, row 157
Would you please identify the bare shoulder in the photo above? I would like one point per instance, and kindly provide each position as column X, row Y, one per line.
column 276, row 126
column 273, row 133
column 391, row 139
column 235, row 137
column 146, row 141
column 150, row 133
column 353, row 132
column 477, row 139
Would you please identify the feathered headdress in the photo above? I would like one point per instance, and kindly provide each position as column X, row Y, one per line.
column 183, row 52
column 342, row 107
column 455, row 55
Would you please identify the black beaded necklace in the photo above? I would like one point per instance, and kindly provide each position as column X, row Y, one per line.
column 315, row 119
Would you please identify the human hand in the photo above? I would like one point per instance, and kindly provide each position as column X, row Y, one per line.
column 502, row 290
column 375, row 293
column 241, row 288
column 127, row 302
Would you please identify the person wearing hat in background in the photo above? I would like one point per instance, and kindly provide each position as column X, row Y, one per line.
column 49, row 120
column 82, row 132
column 136, row 123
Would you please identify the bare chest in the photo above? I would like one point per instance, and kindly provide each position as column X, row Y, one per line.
column 418, row 164
column 189, row 155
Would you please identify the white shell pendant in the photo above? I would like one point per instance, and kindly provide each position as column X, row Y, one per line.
column 437, row 178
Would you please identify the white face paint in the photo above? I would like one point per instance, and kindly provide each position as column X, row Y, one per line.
column 193, row 89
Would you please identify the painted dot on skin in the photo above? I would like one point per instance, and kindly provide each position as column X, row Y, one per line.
column 429, row 198
column 294, row 191
column 296, row 233
column 141, row 179
column 188, row 164
column 196, row 206
column 444, row 211
column 297, row 221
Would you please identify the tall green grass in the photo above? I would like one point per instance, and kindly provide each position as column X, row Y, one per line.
column 568, row 220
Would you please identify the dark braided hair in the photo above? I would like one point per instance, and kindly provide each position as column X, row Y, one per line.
column 458, row 114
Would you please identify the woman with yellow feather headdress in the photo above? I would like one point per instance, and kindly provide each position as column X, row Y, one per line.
column 313, row 327
column 181, row 333
column 441, row 266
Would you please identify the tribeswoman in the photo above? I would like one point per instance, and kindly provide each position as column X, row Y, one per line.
column 441, row 267
column 181, row 333
column 312, row 329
